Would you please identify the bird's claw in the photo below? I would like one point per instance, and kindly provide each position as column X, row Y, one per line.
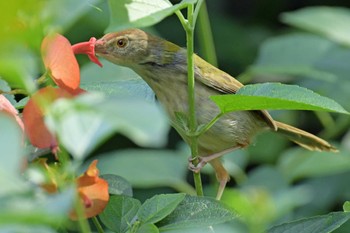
column 196, row 168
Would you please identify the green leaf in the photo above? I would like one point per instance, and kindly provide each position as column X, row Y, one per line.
column 11, row 155
column 148, row 228
column 141, row 13
column 346, row 206
column 320, row 224
column 197, row 212
column 148, row 168
column 120, row 213
column 299, row 163
column 36, row 209
column 117, row 81
column 300, row 54
column 276, row 96
column 117, row 185
column 86, row 121
column 327, row 21
column 64, row 13
column 158, row 207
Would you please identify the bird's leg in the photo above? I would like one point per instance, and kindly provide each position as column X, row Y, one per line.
column 222, row 176
column 206, row 159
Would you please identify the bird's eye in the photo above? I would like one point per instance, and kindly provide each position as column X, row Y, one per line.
column 121, row 43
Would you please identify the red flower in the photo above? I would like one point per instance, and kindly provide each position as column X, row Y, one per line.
column 33, row 117
column 87, row 48
column 93, row 192
column 60, row 62
column 7, row 107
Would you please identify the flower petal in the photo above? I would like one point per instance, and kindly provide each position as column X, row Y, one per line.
column 33, row 117
column 93, row 191
column 6, row 106
column 60, row 61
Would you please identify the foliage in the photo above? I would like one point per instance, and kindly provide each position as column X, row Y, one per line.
column 75, row 113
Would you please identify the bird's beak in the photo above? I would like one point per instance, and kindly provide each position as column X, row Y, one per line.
column 100, row 46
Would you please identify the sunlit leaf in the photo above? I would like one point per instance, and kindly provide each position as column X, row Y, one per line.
column 276, row 96
column 141, row 13
column 158, row 207
column 11, row 155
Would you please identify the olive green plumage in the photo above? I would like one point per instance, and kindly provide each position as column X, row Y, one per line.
column 163, row 66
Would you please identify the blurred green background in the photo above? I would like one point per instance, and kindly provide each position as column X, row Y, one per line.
column 273, row 181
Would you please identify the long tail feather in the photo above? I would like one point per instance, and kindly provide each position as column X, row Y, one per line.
column 303, row 138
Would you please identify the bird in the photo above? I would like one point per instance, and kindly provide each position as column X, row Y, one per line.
column 163, row 66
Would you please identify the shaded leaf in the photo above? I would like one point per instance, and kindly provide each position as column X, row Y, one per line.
column 141, row 13
column 298, row 163
column 328, row 21
column 117, row 185
column 320, row 224
column 148, row 168
column 300, row 54
column 148, row 228
column 197, row 212
column 158, row 207
column 120, row 213
column 276, row 96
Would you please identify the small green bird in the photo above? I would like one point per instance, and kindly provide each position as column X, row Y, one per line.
column 163, row 65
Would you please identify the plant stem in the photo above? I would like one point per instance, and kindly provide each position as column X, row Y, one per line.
column 97, row 224
column 83, row 223
column 191, row 96
column 206, row 36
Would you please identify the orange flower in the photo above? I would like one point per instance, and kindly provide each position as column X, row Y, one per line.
column 7, row 107
column 60, row 62
column 87, row 48
column 33, row 117
column 93, row 192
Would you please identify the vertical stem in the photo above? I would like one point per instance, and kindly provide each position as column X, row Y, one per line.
column 206, row 36
column 97, row 224
column 191, row 96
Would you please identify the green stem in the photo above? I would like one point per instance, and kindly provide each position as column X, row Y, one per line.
column 209, row 125
column 206, row 36
column 97, row 225
column 191, row 96
column 83, row 223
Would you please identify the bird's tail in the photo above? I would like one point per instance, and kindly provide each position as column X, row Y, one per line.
column 303, row 138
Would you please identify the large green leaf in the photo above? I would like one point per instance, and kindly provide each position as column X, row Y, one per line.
column 11, row 155
column 298, row 163
column 36, row 209
column 148, row 168
column 197, row 212
column 276, row 96
column 300, row 53
column 320, row 224
column 85, row 122
column 328, row 21
column 141, row 13
column 158, row 207
column 120, row 213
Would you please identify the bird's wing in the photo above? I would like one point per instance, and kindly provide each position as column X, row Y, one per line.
column 224, row 83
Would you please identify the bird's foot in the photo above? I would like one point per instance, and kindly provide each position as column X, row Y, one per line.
column 202, row 161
